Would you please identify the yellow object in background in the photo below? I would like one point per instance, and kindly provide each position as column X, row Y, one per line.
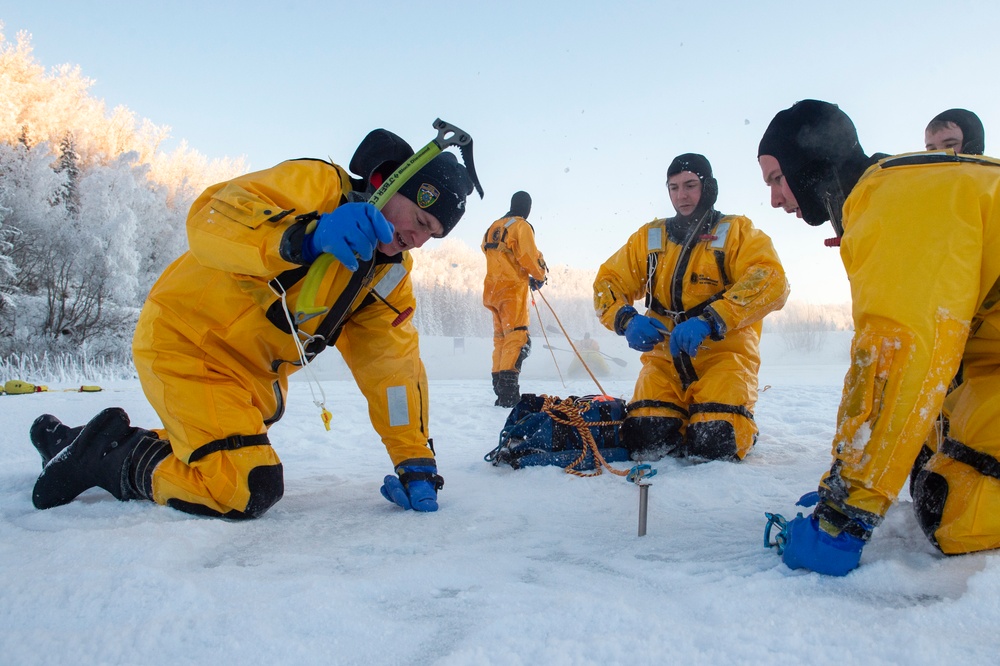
column 17, row 387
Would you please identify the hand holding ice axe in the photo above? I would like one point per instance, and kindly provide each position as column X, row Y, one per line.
column 448, row 135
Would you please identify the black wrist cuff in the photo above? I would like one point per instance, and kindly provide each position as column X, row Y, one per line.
column 623, row 317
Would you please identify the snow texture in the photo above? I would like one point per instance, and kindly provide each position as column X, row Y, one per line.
column 531, row 566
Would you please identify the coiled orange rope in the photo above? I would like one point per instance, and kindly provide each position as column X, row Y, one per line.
column 570, row 412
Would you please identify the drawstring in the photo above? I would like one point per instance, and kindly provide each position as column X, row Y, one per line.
column 325, row 414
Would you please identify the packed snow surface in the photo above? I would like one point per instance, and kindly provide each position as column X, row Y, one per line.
column 532, row 566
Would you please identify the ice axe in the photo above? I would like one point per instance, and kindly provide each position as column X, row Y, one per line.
column 448, row 135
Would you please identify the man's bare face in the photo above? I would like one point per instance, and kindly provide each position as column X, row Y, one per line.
column 781, row 193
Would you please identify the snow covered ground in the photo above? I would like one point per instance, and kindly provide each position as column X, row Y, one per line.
column 531, row 566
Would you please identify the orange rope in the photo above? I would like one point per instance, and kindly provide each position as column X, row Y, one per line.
column 544, row 335
column 569, row 412
column 570, row 341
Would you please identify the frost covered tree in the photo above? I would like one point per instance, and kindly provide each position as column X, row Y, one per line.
column 91, row 208
column 68, row 165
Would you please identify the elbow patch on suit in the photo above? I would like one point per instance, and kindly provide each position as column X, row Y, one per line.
column 604, row 298
column 753, row 284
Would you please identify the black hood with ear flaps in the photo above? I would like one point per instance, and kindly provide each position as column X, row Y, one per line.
column 817, row 147
column 679, row 226
column 973, row 134
column 379, row 152
column 520, row 205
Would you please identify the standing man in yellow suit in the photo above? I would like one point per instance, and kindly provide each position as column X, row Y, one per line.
column 706, row 278
column 217, row 340
column 513, row 265
column 920, row 239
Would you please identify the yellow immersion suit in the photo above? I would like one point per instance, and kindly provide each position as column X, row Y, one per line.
column 921, row 247
column 214, row 349
column 726, row 271
column 511, row 257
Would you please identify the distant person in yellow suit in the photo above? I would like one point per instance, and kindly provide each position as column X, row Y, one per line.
column 217, row 338
column 920, row 239
column 588, row 356
column 513, row 265
column 708, row 280
column 588, row 343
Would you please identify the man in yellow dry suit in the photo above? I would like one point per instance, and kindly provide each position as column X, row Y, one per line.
column 219, row 336
column 960, row 130
column 708, row 280
column 920, row 239
column 513, row 264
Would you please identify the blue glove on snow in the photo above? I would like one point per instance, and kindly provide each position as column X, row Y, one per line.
column 349, row 230
column 536, row 284
column 688, row 335
column 416, row 485
column 643, row 333
column 809, row 546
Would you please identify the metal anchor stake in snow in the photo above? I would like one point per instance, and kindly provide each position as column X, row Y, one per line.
column 637, row 475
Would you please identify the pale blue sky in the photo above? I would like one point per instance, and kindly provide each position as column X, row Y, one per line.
column 582, row 104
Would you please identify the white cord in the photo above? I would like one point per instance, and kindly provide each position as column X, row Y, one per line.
column 300, row 349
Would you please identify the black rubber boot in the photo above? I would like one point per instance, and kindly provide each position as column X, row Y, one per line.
column 712, row 440
column 651, row 438
column 496, row 387
column 102, row 456
column 509, row 393
column 49, row 436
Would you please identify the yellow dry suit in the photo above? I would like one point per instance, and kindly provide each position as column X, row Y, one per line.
column 216, row 342
column 511, row 258
column 921, row 247
column 722, row 269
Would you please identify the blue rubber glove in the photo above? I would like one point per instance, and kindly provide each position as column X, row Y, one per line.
column 688, row 335
column 811, row 498
column 808, row 546
column 415, row 486
column 536, row 284
column 643, row 333
column 349, row 230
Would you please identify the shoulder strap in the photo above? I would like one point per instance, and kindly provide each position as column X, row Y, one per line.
column 677, row 313
column 501, row 240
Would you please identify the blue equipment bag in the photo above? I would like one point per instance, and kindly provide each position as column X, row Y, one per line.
column 546, row 430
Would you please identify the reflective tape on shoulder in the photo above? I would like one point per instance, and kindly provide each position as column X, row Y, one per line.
column 654, row 239
column 390, row 280
column 721, row 232
column 399, row 410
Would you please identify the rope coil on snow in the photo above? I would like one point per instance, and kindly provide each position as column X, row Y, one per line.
column 569, row 412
